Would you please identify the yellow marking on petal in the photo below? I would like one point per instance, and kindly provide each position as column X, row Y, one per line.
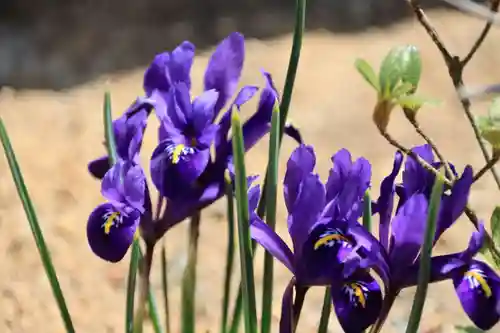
column 358, row 292
column 137, row 234
column 482, row 282
column 326, row 239
column 176, row 155
column 110, row 222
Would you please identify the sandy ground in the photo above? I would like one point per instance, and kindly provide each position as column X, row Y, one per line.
column 55, row 134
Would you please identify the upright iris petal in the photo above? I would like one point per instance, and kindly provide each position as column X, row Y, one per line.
column 112, row 226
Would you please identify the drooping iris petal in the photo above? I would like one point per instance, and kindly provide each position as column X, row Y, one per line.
column 306, row 209
column 301, row 163
column 203, row 110
column 167, row 68
column 385, row 202
column 174, row 168
column 270, row 241
column 357, row 302
column 479, row 292
column 415, row 177
column 224, row 68
column 322, row 255
column 110, row 231
column 286, row 320
column 453, row 205
column 99, row 167
column 407, row 231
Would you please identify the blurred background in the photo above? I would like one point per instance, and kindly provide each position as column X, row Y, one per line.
column 58, row 57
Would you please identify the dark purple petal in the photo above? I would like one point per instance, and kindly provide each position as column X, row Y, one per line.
column 99, row 167
column 348, row 183
column 322, row 255
column 203, row 110
column 175, row 168
column 205, row 139
column 286, row 320
column 385, row 202
column 224, row 68
column 301, row 163
column 306, row 210
column 110, row 232
column 179, row 107
column 453, row 205
column 479, row 292
column 167, row 69
column 293, row 132
column 270, row 241
column 244, row 95
column 446, row 266
column 112, row 183
column 407, row 231
column 181, row 61
column 357, row 302
column 253, row 197
column 134, row 187
column 415, row 177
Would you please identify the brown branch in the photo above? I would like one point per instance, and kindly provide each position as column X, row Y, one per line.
column 455, row 70
column 487, row 166
column 479, row 41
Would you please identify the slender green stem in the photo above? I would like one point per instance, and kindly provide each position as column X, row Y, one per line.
column 189, row 278
column 245, row 244
column 367, row 211
column 229, row 253
column 153, row 311
column 164, row 284
column 424, row 271
column 143, row 288
column 35, row 228
column 325, row 311
column 131, row 282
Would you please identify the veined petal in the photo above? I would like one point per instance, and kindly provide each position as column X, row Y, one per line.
column 301, row 163
column 270, row 241
column 453, row 205
column 306, row 210
column 385, row 202
column 224, row 68
column 110, row 231
column 112, row 183
column 134, row 187
column 203, row 110
column 99, row 167
column 167, row 68
column 175, row 168
column 322, row 254
column 479, row 292
column 357, row 302
column 179, row 108
column 407, row 231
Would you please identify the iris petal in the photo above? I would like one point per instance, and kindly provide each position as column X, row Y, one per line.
column 479, row 292
column 286, row 320
column 99, row 167
column 357, row 303
column 415, row 177
column 111, row 231
column 269, row 240
column 301, row 163
column 224, row 68
column 203, row 110
column 385, row 202
column 174, row 168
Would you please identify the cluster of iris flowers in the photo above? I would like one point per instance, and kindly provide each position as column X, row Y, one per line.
column 330, row 246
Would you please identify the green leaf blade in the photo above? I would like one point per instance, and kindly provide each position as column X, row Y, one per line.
column 425, row 257
column 367, row 72
column 245, row 244
column 367, row 211
column 35, row 228
column 272, row 177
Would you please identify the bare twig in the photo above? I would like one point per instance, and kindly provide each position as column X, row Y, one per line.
column 476, row 10
column 479, row 41
column 414, row 122
column 455, row 70
column 487, row 166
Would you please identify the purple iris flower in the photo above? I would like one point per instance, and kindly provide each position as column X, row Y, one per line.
column 112, row 226
column 322, row 223
column 183, row 167
column 401, row 238
column 128, row 131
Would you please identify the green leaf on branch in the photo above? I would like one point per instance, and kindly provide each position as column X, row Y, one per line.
column 366, row 70
column 468, row 329
column 415, row 102
column 495, row 225
column 412, row 66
